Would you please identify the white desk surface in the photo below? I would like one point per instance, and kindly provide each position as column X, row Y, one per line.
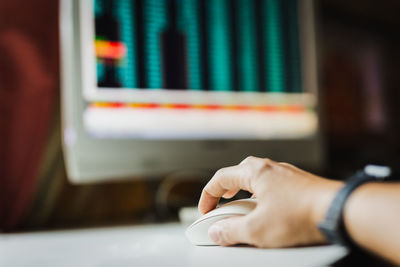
column 145, row 245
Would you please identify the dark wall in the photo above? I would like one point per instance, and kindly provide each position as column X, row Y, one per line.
column 359, row 80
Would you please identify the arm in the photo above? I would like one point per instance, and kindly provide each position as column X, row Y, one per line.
column 372, row 218
column 291, row 203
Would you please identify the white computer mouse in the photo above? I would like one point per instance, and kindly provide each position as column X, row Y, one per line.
column 197, row 232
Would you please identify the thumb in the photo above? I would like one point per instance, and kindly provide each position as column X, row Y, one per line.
column 229, row 231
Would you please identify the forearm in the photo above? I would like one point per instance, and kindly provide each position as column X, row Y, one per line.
column 372, row 218
column 371, row 215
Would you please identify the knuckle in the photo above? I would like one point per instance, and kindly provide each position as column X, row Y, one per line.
column 285, row 165
column 265, row 166
column 285, row 168
column 219, row 173
column 267, row 160
column 246, row 160
column 250, row 159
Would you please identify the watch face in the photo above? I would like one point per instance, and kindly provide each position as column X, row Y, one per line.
column 380, row 172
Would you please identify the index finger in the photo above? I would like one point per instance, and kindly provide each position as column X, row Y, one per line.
column 226, row 179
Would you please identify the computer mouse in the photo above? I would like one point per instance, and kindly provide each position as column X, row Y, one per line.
column 197, row 232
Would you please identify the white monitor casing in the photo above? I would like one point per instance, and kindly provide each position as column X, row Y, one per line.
column 92, row 160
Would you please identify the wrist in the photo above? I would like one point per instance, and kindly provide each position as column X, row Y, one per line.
column 325, row 191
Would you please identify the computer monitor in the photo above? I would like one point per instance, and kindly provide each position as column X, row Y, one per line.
column 155, row 86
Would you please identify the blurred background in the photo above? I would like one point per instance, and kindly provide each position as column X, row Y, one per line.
column 358, row 68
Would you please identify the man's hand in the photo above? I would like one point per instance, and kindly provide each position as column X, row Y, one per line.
column 290, row 204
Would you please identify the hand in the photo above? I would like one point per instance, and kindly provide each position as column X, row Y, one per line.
column 290, row 203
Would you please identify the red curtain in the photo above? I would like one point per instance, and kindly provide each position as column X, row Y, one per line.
column 29, row 88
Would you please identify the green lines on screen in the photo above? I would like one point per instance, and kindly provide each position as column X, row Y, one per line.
column 219, row 45
column 98, row 7
column 294, row 47
column 155, row 21
column 247, row 47
column 243, row 45
column 127, row 70
column 189, row 24
column 274, row 53
column 100, row 68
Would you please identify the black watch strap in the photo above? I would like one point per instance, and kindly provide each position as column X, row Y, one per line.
column 333, row 226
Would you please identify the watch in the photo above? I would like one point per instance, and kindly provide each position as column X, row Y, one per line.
column 332, row 227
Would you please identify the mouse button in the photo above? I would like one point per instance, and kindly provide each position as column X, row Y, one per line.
column 236, row 207
column 239, row 207
column 209, row 214
column 209, row 219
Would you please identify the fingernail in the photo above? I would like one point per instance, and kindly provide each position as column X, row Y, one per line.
column 215, row 233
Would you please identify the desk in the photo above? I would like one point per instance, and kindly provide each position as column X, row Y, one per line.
column 145, row 245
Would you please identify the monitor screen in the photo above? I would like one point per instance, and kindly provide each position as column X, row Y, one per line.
column 190, row 69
